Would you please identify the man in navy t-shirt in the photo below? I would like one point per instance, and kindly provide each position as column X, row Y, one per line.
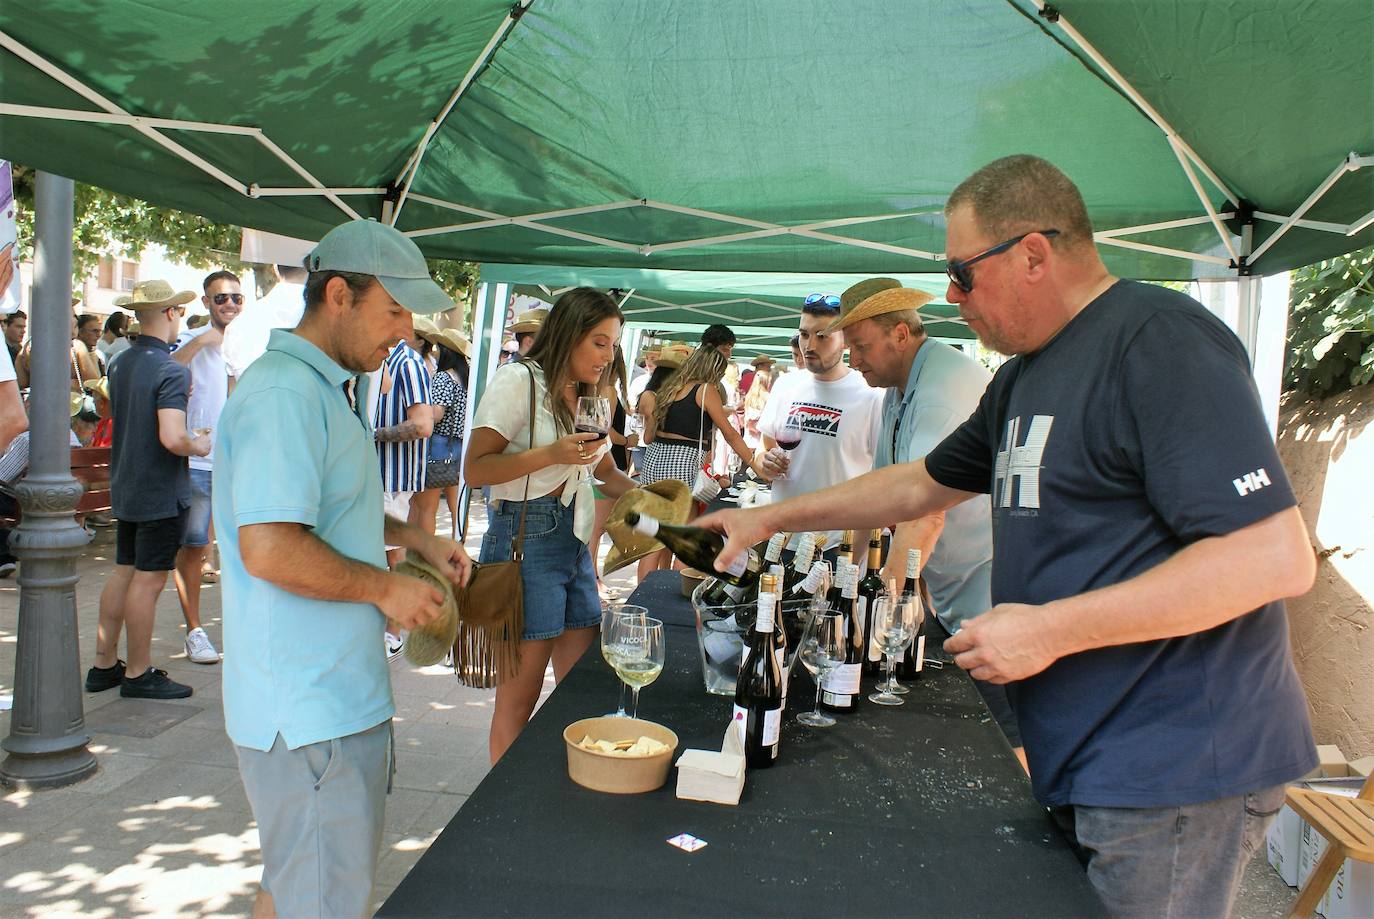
column 1144, row 535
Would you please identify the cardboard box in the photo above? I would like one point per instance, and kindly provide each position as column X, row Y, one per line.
column 1282, row 842
column 1331, row 761
column 1362, row 766
column 1351, row 895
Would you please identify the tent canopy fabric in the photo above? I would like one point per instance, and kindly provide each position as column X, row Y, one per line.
column 713, row 135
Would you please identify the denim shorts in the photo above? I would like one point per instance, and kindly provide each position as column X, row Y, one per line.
column 445, row 449
column 559, row 581
column 197, row 532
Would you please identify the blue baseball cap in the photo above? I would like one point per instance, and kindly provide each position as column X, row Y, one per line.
column 385, row 253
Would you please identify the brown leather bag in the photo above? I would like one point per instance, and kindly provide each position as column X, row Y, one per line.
column 491, row 609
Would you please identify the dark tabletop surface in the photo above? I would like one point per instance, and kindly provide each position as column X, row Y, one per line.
column 913, row 810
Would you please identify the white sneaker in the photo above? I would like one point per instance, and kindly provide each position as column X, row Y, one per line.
column 199, row 648
column 394, row 646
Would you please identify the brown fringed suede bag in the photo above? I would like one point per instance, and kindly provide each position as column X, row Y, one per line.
column 491, row 609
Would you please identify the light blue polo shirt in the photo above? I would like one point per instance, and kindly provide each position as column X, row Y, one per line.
column 943, row 388
column 289, row 448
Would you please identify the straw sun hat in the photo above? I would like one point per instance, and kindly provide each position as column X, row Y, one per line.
column 452, row 339
column 528, row 321
column 875, row 297
column 674, row 355
column 153, row 295
column 761, row 360
column 667, row 501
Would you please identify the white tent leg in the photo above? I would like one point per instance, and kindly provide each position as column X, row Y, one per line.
column 1270, row 322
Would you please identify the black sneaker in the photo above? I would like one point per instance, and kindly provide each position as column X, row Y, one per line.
column 153, row 684
column 99, row 679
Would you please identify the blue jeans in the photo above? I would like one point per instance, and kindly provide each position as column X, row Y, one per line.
column 559, row 583
column 1170, row 862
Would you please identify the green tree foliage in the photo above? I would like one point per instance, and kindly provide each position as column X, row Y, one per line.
column 1331, row 325
column 111, row 224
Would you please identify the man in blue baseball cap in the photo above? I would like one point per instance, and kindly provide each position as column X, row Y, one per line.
column 298, row 503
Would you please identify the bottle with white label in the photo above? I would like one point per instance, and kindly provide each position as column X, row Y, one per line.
column 801, row 563
column 911, row 661
column 840, row 691
column 869, row 589
column 698, row 548
column 759, row 692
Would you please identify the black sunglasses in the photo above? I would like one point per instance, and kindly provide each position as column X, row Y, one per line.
column 831, row 301
column 221, row 299
column 959, row 271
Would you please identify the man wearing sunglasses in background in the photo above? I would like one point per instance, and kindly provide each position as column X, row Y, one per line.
column 827, row 405
column 1144, row 536
column 200, row 350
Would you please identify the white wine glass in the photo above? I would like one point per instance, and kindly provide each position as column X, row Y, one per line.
column 639, row 656
column 895, row 620
column 593, row 415
column 611, row 618
column 821, row 652
column 199, row 422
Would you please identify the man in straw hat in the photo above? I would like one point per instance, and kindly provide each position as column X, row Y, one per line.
column 306, row 589
column 930, row 388
column 526, row 327
column 1144, row 535
column 150, row 492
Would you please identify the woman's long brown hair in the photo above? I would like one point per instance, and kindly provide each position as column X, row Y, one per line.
column 572, row 319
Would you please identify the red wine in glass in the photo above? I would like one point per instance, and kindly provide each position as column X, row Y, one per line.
column 590, row 429
column 790, row 439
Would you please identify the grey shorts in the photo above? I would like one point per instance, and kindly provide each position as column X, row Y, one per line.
column 320, row 810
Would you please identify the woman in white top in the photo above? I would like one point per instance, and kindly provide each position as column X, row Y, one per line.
column 562, row 609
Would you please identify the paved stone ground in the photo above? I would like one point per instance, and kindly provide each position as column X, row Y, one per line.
column 163, row 829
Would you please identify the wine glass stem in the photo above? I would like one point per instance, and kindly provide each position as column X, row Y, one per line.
column 620, row 708
column 820, row 680
column 636, row 704
column 890, row 658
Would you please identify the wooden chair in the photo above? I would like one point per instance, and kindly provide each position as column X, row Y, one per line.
column 1348, row 827
column 91, row 467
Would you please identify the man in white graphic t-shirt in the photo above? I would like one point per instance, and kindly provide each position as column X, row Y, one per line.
column 827, row 407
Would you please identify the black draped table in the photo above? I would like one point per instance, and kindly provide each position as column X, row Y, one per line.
column 911, row 810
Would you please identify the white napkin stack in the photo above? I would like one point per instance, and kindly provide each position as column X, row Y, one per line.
column 704, row 775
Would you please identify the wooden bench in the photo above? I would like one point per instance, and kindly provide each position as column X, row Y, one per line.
column 90, row 467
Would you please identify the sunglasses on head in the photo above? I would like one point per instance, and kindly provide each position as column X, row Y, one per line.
column 829, row 301
column 959, row 273
column 221, row 299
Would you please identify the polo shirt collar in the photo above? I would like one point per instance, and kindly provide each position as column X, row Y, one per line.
column 914, row 374
column 153, row 344
column 289, row 342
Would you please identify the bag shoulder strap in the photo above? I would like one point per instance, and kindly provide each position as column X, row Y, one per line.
column 518, row 546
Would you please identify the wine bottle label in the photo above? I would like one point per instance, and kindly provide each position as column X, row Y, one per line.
column 920, row 653
column 736, row 568
column 913, row 563
column 772, row 725
column 733, row 592
column 646, row 525
column 764, row 622
column 843, row 680
column 774, row 551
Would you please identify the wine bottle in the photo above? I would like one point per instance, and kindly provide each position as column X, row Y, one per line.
column 698, row 548
column 845, row 554
column 779, row 632
column 806, row 588
column 869, row 589
column 911, row 661
column 840, row 691
column 759, row 693
column 801, row 562
column 773, row 554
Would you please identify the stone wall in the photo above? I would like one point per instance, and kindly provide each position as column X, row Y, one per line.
column 1328, row 449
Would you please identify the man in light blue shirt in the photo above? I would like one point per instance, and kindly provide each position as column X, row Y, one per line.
column 931, row 389
column 298, row 505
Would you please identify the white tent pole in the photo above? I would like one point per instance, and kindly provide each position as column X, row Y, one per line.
column 407, row 175
column 75, row 85
column 1220, row 227
column 122, row 118
column 1360, row 224
column 1343, row 229
column 1053, row 15
column 257, row 191
column 304, row 173
column 1164, row 225
column 1161, row 250
column 1350, row 164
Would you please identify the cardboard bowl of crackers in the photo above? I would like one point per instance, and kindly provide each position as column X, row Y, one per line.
column 690, row 579
column 620, row 756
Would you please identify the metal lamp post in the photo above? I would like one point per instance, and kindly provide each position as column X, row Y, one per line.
column 47, row 740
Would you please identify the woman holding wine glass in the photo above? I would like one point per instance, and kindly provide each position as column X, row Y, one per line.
column 679, row 421
column 542, row 466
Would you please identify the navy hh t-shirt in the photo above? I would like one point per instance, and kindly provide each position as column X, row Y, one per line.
column 147, row 481
column 1136, row 431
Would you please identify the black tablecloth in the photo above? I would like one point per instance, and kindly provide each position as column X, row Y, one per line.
column 913, row 810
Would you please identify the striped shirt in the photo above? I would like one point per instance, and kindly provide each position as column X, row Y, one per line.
column 403, row 463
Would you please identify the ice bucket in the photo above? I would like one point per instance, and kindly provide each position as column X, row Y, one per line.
column 721, row 640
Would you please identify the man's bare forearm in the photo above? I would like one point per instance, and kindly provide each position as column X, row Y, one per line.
column 921, row 533
column 399, row 533
column 396, row 433
column 1200, row 587
column 901, row 492
column 291, row 557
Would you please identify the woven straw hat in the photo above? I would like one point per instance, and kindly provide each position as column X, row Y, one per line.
column 431, row 642
column 151, row 295
column 668, row 501
column 762, row 359
column 674, row 355
column 529, row 321
column 886, row 300
column 423, row 326
column 452, row 339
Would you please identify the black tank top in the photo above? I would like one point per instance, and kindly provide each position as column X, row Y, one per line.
column 687, row 419
column 618, row 453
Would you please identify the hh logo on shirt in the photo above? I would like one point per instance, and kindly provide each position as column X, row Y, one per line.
column 810, row 418
column 1019, row 463
column 1251, row 482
